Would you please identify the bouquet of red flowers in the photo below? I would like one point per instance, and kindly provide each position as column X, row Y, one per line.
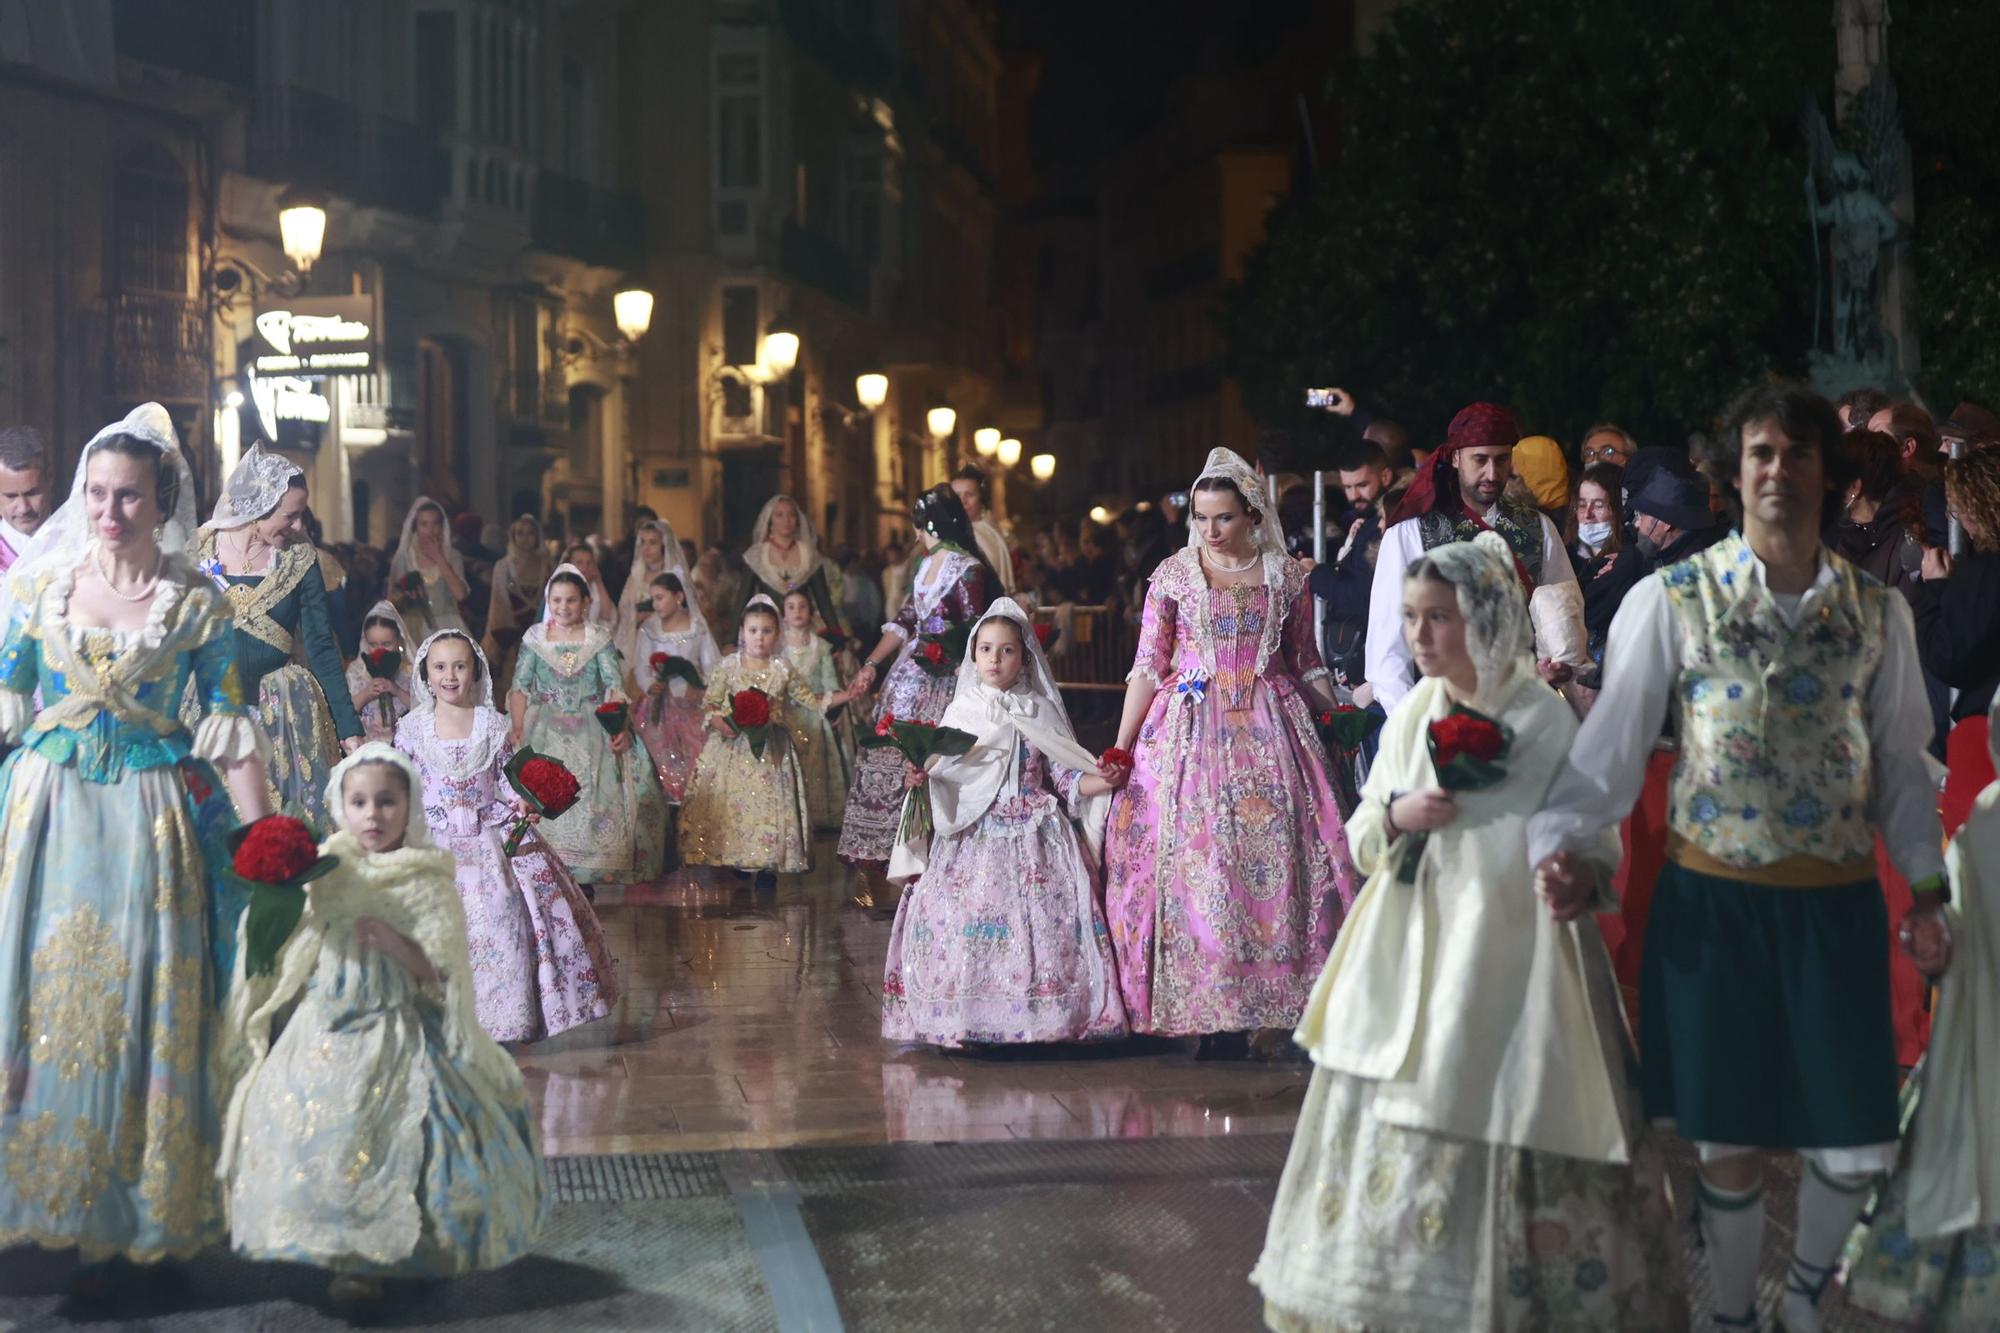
column 667, row 667
column 1343, row 728
column 274, row 858
column 939, row 654
column 615, row 716
column 917, row 742
column 1467, row 753
column 1045, row 635
column 411, row 595
column 384, row 664
column 548, row 787
column 750, row 714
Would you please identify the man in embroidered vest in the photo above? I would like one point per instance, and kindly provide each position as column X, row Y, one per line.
column 24, row 496
column 1764, row 997
column 1457, row 495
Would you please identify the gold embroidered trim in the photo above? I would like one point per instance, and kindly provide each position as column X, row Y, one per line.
column 76, row 1002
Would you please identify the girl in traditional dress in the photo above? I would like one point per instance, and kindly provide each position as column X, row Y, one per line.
column 539, row 962
column 1227, row 870
column 670, row 719
column 1928, row 1256
column 255, row 549
column 784, row 555
column 516, row 602
column 568, row 668
column 655, row 551
column 746, row 811
column 1470, row 1155
column 953, row 587
column 827, row 756
column 582, row 557
column 382, row 702
column 116, row 918
column 425, row 549
column 1001, row 939
column 375, row 1130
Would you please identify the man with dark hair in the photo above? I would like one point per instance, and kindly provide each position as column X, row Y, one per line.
column 969, row 485
column 1857, row 406
column 1920, row 443
column 24, row 492
column 1344, row 582
column 1765, row 982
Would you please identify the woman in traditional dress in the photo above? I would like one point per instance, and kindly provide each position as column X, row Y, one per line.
column 953, row 588
column 255, row 550
column 655, row 550
column 1001, row 939
column 715, row 587
column 669, row 717
column 784, row 555
column 539, row 962
column 568, row 669
column 1227, row 871
column 425, row 550
column 1470, row 1155
column 115, row 916
column 518, row 577
column 828, row 755
column 383, row 701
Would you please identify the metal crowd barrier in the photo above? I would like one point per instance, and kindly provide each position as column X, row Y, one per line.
column 1094, row 646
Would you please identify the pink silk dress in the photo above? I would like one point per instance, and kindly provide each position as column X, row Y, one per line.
column 1226, row 866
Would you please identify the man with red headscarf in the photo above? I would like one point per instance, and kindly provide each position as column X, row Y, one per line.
column 1456, row 496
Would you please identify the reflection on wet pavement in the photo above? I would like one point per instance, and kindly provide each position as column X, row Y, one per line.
column 753, row 1021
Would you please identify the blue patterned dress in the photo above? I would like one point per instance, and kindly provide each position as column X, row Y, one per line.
column 109, row 817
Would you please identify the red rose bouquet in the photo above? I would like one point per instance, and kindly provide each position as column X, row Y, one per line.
column 917, row 742
column 549, row 789
column 412, row 597
column 750, row 714
column 274, row 858
column 384, row 664
column 666, row 669
column 1467, row 753
column 1343, row 728
column 939, row 654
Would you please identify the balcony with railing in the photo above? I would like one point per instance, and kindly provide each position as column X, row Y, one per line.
column 573, row 217
column 308, row 138
column 147, row 345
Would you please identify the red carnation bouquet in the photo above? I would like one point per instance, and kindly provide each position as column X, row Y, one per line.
column 412, row 596
column 384, row 664
column 666, row 668
column 545, row 784
column 917, row 742
column 1344, row 728
column 1045, row 635
column 274, row 858
column 1468, row 750
column 939, row 654
column 750, row 714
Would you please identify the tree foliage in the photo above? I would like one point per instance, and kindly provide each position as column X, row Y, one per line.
column 1584, row 211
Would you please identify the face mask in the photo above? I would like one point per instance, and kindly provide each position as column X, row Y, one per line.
column 1594, row 535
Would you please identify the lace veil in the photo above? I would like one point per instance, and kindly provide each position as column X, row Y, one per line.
column 254, row 489
column 406, row 545
column 1497, row 632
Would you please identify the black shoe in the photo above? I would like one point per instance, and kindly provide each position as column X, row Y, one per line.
column 1223, row 1046
column 766, row 881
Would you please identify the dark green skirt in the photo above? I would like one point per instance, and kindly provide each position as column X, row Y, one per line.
column 1766, row 1013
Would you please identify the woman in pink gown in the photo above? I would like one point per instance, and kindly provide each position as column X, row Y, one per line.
column 1226, row 867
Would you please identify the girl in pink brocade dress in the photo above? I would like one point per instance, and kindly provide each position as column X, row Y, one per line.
column 952, row 587
column 539, row 962
column 1226, row 868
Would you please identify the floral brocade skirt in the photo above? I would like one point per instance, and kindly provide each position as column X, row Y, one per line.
column 875, row 801
column 1380, row 1227
column 304, row 748
column 745, row 812
column 674, row 733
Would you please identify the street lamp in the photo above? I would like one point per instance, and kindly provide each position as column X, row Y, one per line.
column 987, row 441
column 871, row 390
column 1043, row 466
column 633, row 309
column 780, row 351
column 302, row 226
column 1009, row 452
column 942, row 421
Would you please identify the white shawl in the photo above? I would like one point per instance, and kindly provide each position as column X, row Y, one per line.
column 964, row 787
column 1954, row 1149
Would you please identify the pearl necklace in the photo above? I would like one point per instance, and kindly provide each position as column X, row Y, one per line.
column 1216, row 562
column 152, row 580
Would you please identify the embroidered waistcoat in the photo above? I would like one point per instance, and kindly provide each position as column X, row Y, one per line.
column 1519, row 526
column 1774, row 738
